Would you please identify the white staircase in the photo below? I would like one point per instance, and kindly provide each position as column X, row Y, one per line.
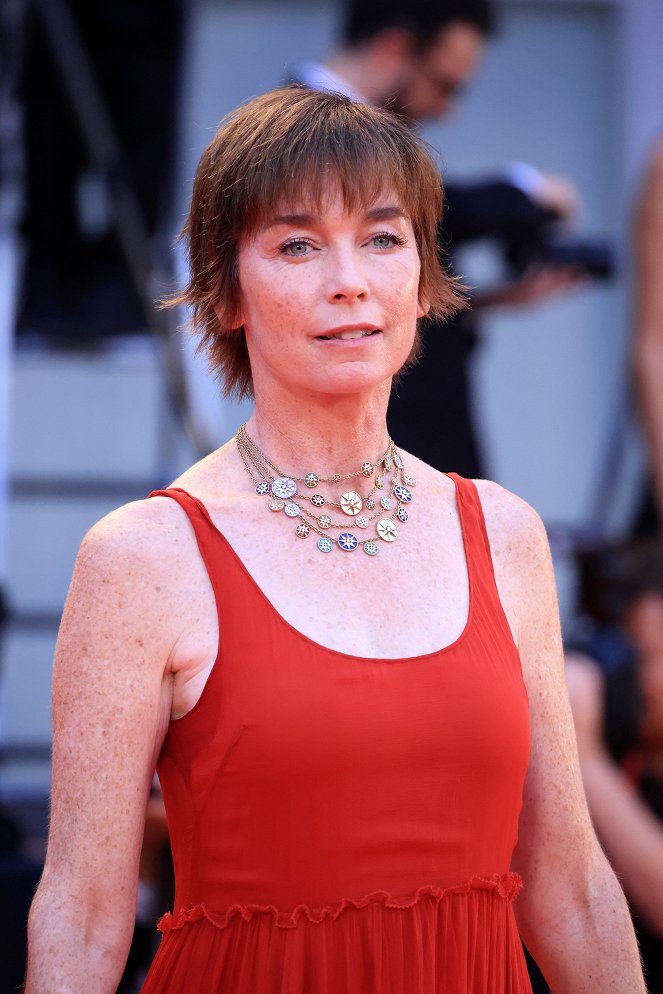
column 90, row 430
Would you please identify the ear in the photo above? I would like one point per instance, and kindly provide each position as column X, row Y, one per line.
column 423, row 307
column 222, row 318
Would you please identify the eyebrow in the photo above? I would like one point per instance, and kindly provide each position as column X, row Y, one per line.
column 307, row 220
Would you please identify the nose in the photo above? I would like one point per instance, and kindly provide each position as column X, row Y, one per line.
column 346, row 280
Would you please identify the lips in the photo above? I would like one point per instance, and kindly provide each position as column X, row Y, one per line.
column 347, row 334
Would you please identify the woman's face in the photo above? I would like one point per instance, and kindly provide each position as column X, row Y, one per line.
column 329, row 300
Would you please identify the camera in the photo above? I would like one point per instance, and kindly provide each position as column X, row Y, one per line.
column 540, row 246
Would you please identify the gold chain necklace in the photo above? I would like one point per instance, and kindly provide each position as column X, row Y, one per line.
column 386, row 509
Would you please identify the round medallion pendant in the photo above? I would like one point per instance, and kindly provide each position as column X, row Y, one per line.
column 292, row 510
column 387, row 530
column 402, row 514
column 283, row 487
column 367, row 469
column 371, row 548
column 302, row 530
column 388, row 464
column 276, row 504
column 370, row 504
column 324, row 521
column 387, row 503
column 410, row 480
column 325, row 544
column 362, row 521
column 311, row 480
column 398, row 460
column 403, row 494
column 262, row 488
column 351, row 503
column 317, row 500
column 347, row 541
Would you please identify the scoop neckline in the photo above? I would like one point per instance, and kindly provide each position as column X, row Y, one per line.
column 337, row 652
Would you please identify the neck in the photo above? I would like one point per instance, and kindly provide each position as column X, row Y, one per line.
column 334, row 434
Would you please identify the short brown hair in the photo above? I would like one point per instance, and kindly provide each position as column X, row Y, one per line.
column 280, row 148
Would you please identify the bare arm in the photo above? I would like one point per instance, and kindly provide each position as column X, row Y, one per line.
column 648, row 332
column 111, row 705
column 631, row 834
column 572, row 913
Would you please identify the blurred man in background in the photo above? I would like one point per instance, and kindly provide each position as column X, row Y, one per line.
column 417, row 58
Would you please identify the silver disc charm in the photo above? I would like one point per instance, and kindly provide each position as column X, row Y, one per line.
column 302, row 530
column 276, row 504
column 311, row 480
column 387, row 503
column 371, row 548
column 283, row 487
column 291, row 509
column 325, row 544
column 317, row 500
column 361, row 521
column 402, row 514
column 347, row 541
column 370, row 504
column 324, row 521
column 351, row 503
column 367, row 469
column 387, row 530
column 262, row 488
column 403, row 494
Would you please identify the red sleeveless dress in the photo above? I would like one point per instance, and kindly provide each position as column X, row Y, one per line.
column 341, row 824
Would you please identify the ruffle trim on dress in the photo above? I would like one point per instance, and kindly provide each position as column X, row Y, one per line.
column 506, row 885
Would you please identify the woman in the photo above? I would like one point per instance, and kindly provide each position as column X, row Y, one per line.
column 343, row 794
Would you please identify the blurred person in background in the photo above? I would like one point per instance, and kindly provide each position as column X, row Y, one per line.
column 351, row 807
column 648, row 336
column 615, row 679
column 417, row 58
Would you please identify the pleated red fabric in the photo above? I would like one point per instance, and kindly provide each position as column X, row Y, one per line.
column 342, row 824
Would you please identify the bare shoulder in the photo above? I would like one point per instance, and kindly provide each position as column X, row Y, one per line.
column 515, row 529
column 135, row 559
column 140, row 531
column 521, row 559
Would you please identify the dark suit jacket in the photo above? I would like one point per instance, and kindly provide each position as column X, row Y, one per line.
column 431, row 412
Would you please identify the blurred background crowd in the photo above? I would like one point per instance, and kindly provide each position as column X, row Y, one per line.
column 545, row 117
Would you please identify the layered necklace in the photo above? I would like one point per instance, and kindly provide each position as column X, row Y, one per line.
column 376, row 517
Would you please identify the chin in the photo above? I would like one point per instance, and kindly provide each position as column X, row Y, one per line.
column 348, row 381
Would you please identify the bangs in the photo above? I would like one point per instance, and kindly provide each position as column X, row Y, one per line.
column 295, row 160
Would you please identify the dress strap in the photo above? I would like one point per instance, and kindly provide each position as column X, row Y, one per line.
column 206, row 535
column 477, row 547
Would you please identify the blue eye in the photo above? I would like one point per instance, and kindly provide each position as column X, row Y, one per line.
column 387, row 239
column 296, row 248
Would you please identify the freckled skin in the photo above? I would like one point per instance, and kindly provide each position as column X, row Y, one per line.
column 139, row 631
